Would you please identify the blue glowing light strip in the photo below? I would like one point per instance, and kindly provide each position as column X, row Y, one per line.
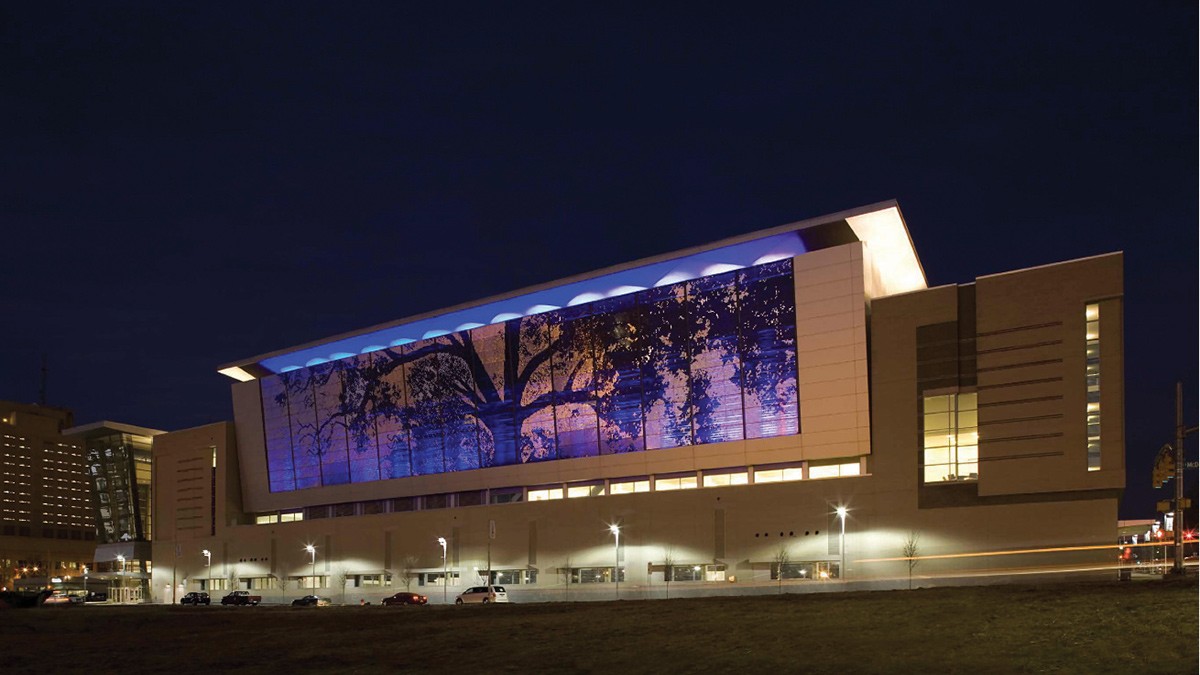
column 705, row 263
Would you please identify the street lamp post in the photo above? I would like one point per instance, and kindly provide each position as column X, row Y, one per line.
column 207, row 568
column 312, row 552
column 841, row 511
column 445, row 569
column 121, row 575
column 85, row 583
column 616, row 533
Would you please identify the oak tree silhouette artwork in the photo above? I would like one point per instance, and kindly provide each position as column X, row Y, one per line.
column 702, row 361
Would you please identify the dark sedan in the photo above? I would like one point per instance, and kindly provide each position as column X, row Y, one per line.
column 194, row 598
column 310, row 601
column 406, row 599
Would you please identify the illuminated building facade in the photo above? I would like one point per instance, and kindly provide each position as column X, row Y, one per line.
column 698, row 418
column 118, row 468
column 47, row 528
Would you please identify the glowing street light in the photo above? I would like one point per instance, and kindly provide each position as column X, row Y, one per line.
column 841, row 514
column 445, row 570
column 616, row 533
column 312, row 552
column 121, row 575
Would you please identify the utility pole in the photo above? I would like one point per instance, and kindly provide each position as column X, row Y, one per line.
column 1179, row 468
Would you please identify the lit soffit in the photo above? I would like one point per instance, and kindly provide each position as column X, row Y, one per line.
column 236, row 373
column 883, row 231
column 886, row 237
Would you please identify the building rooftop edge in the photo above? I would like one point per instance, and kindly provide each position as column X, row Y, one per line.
column 118, row 427
column 881, row 206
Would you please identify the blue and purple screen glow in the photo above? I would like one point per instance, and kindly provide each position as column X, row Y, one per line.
column 650, row 275
column 701, row 361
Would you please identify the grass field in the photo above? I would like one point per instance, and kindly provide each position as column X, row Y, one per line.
column 1064, row 628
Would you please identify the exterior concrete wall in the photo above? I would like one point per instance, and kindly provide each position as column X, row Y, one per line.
column 831, row 352
column 1032, row 386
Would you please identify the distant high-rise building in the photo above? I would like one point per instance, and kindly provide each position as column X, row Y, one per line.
column 47, row 527
column 118, row 467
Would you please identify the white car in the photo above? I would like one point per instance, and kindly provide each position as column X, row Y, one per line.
column 482, row 594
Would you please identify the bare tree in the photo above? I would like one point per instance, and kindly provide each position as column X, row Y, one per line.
column 566, row 575
column 340, row 578
column 231, row 580
column 668, row 568
column 782, row 558
column 911, row 550
column 283, row 583
column 407, row 564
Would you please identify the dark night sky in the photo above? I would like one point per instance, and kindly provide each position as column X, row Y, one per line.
column 188, row 184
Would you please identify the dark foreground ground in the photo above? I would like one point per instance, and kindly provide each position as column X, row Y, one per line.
column 1130, row 628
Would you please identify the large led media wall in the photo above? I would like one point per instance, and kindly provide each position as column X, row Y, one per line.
column 702, row 361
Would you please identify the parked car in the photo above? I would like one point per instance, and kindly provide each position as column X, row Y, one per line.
column 196, row 598
column 63, row 598
column 482, row 594
column 241, row 598
column 404, row 598
column 311, row 601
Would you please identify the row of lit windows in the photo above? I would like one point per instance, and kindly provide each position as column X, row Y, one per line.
column 279, row 518
column 619, row 486
column 692, row 481
column 1092, row 341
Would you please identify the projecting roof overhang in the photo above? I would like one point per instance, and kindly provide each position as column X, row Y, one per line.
column 879, row 226
column 104, row 427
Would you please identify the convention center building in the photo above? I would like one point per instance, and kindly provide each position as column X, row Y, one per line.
column 786, row 410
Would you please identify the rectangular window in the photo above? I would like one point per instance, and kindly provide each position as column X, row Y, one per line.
column 514, row 577
column 714, row 573
column 441, row 501
column 1092, row 337
column 266, row 520
column 313, row 582
column 675, row 483
column 778, row 475
column 724, row 479
column 833, row 469
column 436, row 579
column 545, row 494
column 505, row 495
column 595, row 575
column 628, row 487
column 291, row 517
column 593, row 490
column 951, row 438
column 816, row 570
column 472, row 498
column 400, row 504
column 686, row 573
column 374, row 507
